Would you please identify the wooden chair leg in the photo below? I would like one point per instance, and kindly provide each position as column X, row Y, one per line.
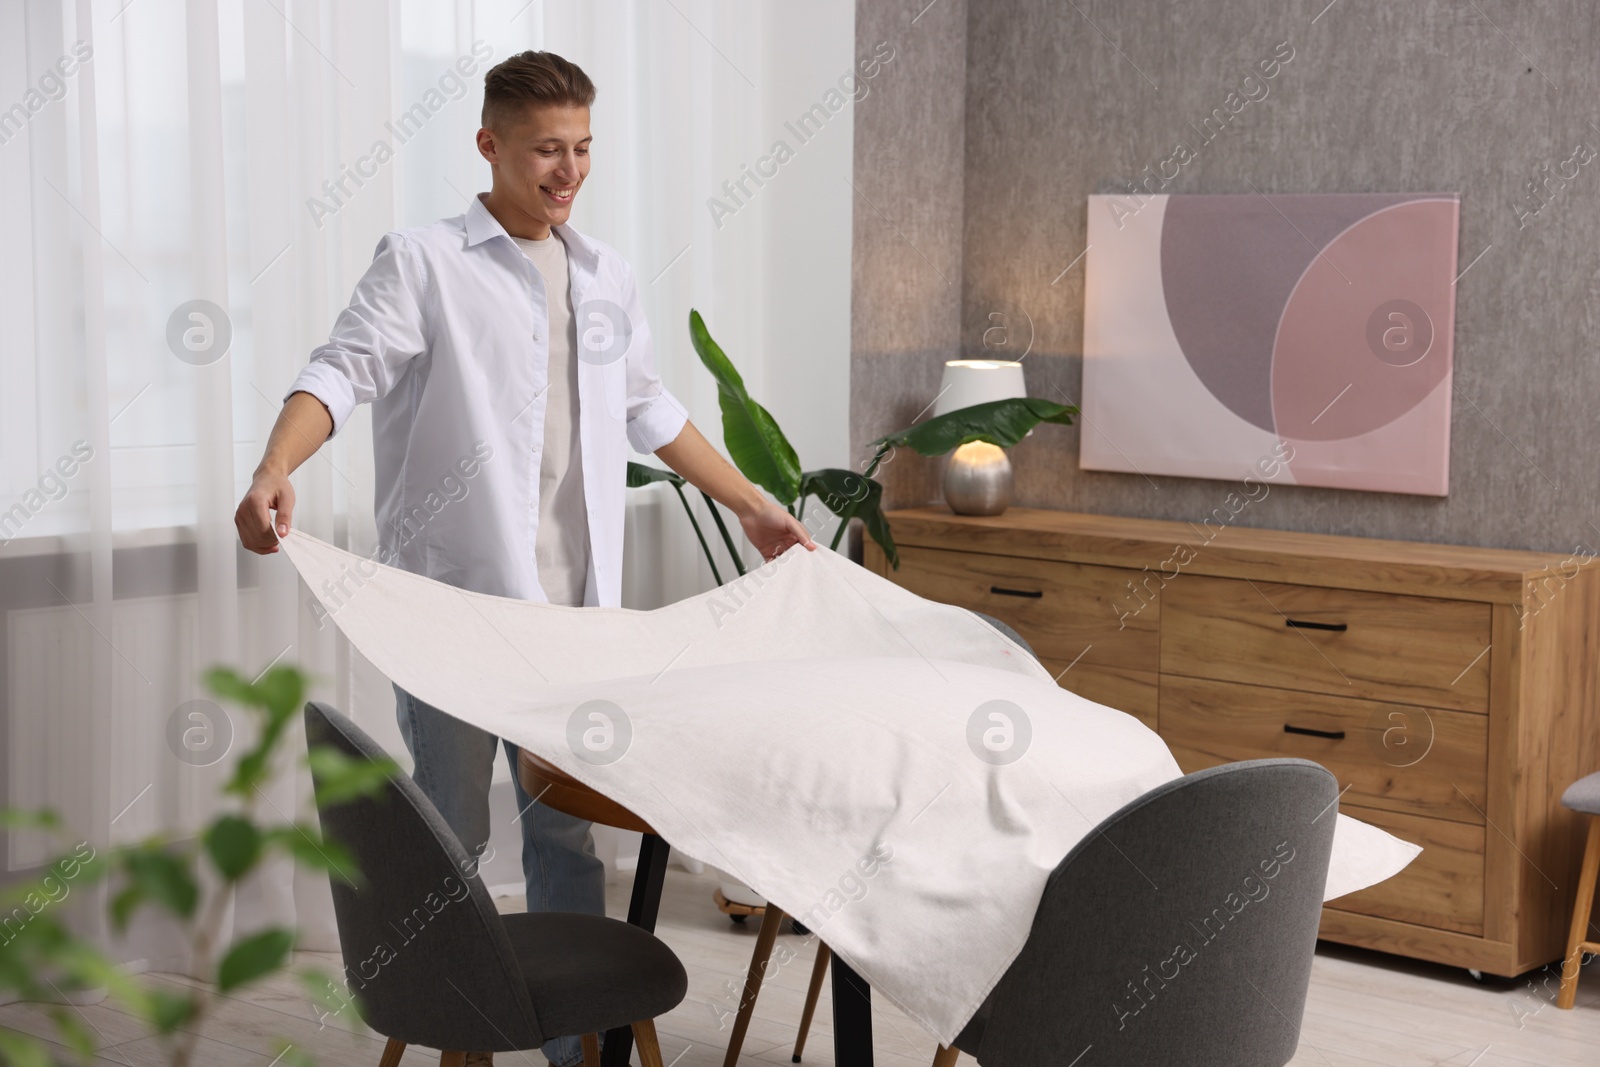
column 946, row 1056
column 1577, row 944
column 452, row 1059
column 392, row 1053
column 771, row 923
column 644, row 1039
column 591, row 1050
column 818, row 970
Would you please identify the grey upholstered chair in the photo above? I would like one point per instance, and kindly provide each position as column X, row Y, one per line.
column 1180, row 931
column 429, row 960
column 1006, row 629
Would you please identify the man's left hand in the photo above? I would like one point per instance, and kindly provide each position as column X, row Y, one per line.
column 773, row 530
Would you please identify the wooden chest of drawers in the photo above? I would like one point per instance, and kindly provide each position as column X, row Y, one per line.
column 1452, row 690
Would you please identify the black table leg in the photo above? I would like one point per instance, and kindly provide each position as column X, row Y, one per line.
column 642, row 910
column 647, row 881
column 852, row 1017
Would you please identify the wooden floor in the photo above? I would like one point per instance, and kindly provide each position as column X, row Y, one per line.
column 1364, row 1008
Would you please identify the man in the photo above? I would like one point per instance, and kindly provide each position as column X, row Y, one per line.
column 499, row 439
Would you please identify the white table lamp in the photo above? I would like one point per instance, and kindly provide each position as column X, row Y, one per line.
column 977, row 478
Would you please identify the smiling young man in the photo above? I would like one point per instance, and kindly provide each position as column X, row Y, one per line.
column 509, row 367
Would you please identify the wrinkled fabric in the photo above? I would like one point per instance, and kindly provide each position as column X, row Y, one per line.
column 894, row 772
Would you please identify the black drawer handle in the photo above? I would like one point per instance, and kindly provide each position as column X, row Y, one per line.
column 1306, row 624
column 1003, row 591
column 1333, row 735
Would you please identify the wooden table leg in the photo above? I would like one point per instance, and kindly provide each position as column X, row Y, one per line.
column 852, row 1017
column 642, row 909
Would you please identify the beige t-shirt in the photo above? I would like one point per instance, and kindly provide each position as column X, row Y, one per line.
column 561, row 544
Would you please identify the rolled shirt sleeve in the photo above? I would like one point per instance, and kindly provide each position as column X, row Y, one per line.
column 657, row 422
column 375, row 337
column 655, row 417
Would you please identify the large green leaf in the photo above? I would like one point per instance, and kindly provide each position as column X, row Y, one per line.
column 872, row 517
column 839, row 490
column 643, row 474
column 756, row 445
column 999, row 422
column 851, row 495
column 255, row 956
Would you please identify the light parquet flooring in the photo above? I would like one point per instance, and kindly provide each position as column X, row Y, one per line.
column 1364, row 1008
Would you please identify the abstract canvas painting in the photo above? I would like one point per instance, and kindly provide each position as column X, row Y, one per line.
column 1311, row 329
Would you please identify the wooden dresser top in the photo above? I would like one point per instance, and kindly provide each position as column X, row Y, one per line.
column 1456, row 572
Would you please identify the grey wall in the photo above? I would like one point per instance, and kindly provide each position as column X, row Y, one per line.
column 1448, row 95
column 907, row 221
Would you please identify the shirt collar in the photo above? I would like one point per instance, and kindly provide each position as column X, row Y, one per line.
column 481, row 226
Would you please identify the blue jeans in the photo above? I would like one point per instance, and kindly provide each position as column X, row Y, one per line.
column 454, row 764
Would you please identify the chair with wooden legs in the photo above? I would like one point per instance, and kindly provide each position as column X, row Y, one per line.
column 1582, row 796
column 429, row 960
column 1205, row 895
column 772, row 921
column 1181, row 930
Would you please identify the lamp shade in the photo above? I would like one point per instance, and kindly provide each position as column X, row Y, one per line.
column 977, row 381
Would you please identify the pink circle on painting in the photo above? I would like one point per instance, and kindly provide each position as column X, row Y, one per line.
column 1365, row 334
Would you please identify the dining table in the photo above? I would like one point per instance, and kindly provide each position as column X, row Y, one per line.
column 549, row 785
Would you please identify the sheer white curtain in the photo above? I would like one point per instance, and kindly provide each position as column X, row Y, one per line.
column 188, row 192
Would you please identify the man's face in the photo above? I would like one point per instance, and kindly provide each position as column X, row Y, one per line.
column 543, row 159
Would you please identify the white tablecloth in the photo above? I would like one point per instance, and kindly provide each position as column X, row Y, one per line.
column 823, row 735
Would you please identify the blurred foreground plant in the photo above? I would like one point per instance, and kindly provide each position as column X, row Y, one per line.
column 193, row 880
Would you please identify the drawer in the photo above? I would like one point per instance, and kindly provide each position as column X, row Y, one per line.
column 1066, row 611
column 1441, row 888
column 1419, row 761
column 1401, row 649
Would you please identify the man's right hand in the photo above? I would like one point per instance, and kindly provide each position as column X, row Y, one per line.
column 270, row 492
column 302, row 426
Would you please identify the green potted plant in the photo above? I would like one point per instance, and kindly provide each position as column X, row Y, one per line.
column 758, row 447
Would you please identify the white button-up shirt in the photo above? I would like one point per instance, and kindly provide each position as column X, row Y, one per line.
column 447, row 336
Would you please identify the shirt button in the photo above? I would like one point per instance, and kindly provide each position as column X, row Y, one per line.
column 535, row 335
